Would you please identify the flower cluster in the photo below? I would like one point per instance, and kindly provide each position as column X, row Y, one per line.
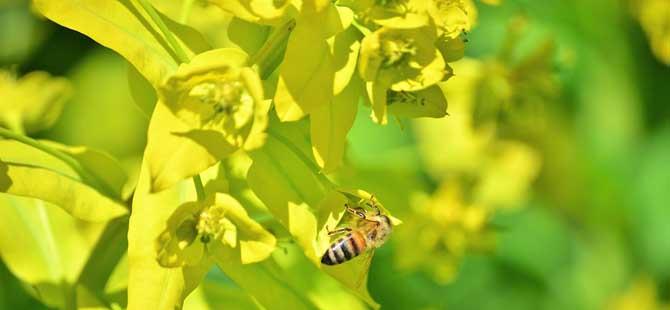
column 407, row 48
column 442, row 230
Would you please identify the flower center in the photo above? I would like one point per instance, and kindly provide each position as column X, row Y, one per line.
column 224, row 97
column 396, row 51
column 211, row 223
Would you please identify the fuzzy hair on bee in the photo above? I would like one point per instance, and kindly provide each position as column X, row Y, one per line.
column 368, row 233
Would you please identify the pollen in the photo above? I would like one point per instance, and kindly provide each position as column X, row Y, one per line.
column 223, row 97
column 213, row 225
column 397, row 51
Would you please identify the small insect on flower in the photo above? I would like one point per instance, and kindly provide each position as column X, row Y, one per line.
column 369, row 233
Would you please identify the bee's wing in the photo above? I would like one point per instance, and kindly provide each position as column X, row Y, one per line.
column 366, row 261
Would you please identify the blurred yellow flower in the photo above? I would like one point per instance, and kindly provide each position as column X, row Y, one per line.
column 654, row 16
column 442, row 230
column 33, row 102
column 640, row 295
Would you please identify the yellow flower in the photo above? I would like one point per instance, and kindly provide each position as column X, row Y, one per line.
column 216, row 91
column 218, row 221
column 399, row 60
column 441, row 232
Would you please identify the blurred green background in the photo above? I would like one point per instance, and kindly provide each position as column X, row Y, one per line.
column 572, row 88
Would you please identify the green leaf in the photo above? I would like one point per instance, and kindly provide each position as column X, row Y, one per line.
column 124, row 27
column 377, row 93
column 429, row 102
column 44, row 247
column 255, row 243
column 107, row 169
column 330, row 124
column 261, row 280
column 345, row 47
column 217, row 295
column 142, row 92
column 268, row 12
column 307, row 74
column 248, row 36
column 295, row 196
column 105, row 256
column 21, row 165
column 175, row 152
column 149, row 284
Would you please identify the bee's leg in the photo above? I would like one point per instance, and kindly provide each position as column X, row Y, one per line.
column 337, row 231
column 353, row 211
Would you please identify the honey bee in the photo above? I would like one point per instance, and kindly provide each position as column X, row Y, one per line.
column 369, row 233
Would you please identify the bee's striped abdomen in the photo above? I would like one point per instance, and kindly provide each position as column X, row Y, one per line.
column 344, row 249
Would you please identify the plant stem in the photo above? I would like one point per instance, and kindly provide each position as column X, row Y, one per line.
column 185, row 10
column 178, row 50
column 197, row 181
column 74, row 164
column 267, row 56
column 199, row 188
column 325, row 181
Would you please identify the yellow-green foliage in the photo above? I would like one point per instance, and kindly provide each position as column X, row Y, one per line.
column 236, row 140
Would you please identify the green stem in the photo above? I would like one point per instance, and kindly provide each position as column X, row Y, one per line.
column 199, row 188
column 197, row 181
column 268, row 57
column 325, row 181
column 178, row 50
column 185, row 10
column 74, row 164
column 15, row 123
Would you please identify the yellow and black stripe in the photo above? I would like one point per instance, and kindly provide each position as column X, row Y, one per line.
column 344, row 249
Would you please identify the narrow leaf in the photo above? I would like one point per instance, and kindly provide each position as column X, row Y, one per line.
column 175, row 152
column 307, row 75
column 330, row 124
column 124, row 27
column 44, row 247
column 21, row 165
column 294, row 195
